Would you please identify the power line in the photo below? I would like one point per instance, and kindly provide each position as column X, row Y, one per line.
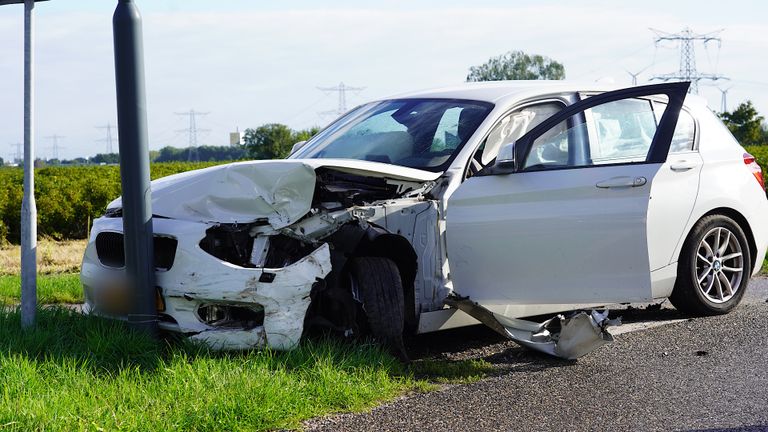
column 55, row 147
column 687, row 69
column 108, row 138
column 192, row 132
column 342, row 90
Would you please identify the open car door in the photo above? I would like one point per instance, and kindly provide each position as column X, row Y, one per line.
column 560, row 219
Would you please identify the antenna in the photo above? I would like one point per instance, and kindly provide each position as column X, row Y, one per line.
column 687, row 70
column 55, row 147
column 108, row 138
column 342, row 90
column 192, row 132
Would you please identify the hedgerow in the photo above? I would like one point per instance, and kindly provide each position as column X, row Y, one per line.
column 68, row 197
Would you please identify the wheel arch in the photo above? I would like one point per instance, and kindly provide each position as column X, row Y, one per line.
column 740, row 220
column 360, row 240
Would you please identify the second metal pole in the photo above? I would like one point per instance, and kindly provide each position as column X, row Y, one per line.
column 28, row 205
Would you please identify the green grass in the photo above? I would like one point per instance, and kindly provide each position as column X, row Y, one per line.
column 74, row 372
column 51, row 289
column 764, row 270
column 452, row 372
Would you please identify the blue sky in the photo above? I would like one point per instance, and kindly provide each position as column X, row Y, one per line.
column 251, row 62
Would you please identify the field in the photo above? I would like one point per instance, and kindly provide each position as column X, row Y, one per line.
column 53, row 257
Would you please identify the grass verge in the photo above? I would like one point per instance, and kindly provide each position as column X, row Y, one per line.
column 51, row 289
column 452, row 371
column 75, row 372
column 764, row 270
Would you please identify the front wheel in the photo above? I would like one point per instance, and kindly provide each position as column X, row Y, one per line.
column 376, row 283
column 714, row 268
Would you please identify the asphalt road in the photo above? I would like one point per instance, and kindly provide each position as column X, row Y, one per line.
column 672, row 373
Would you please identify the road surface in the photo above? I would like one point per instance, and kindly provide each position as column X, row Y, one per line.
column 671, row 373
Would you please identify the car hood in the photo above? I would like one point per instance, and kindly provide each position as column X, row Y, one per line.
column 278, row 191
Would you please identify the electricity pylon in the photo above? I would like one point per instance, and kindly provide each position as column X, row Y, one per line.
column 687, row 70
column 192, row 132
column 342, row 90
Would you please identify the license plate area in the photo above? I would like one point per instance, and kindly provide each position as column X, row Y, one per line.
column 117, row 299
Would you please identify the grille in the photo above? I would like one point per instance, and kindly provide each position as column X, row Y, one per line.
column 109, row 248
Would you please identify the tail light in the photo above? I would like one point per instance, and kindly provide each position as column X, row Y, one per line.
column 751, row 163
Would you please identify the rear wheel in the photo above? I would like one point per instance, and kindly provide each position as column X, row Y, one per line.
column 714, row 268
column 376, row 283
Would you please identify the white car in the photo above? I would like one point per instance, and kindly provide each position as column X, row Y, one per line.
column 483, row 202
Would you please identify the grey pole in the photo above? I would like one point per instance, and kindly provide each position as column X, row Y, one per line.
column 28, row 206
column 134, row 164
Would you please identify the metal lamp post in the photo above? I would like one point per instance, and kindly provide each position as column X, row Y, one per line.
column 28, row 206
column 134, row 164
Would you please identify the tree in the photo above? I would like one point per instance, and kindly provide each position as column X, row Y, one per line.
column 305, row 134
column 517, row 65
column 270, row 141
column 106, row 158
column 745, row 124
column 274, row 140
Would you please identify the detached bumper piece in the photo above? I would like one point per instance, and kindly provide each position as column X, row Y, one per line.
column 567, row 337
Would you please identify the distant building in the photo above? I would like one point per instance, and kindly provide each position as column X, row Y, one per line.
column 235, row 138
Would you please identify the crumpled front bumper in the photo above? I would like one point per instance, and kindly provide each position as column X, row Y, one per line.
column 197, row 279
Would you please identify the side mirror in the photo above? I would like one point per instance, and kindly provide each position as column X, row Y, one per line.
column 506, row 157
column 296, row 147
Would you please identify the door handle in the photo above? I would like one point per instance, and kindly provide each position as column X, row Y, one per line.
column 621, row 182
column 683, row 165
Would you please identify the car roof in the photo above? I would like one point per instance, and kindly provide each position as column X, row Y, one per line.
column 495, row 91
column 501, row 92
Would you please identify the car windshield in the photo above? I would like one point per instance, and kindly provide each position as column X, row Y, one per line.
column 417, row 133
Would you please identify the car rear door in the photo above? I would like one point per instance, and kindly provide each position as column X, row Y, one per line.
column 568, row 223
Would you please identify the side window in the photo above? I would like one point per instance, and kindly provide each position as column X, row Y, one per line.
column 514, row 125
column 622, row 131
column 683, row 139
column 559, row 147
column 615, row 132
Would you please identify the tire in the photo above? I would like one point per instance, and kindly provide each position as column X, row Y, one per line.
column 376, row 283
column 706, row 283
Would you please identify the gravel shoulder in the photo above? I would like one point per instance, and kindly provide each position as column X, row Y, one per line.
column 690, row 374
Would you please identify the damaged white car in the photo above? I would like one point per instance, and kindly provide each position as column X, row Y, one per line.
column 485, row 202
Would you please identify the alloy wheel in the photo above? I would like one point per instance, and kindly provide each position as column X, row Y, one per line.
column 719, row 265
